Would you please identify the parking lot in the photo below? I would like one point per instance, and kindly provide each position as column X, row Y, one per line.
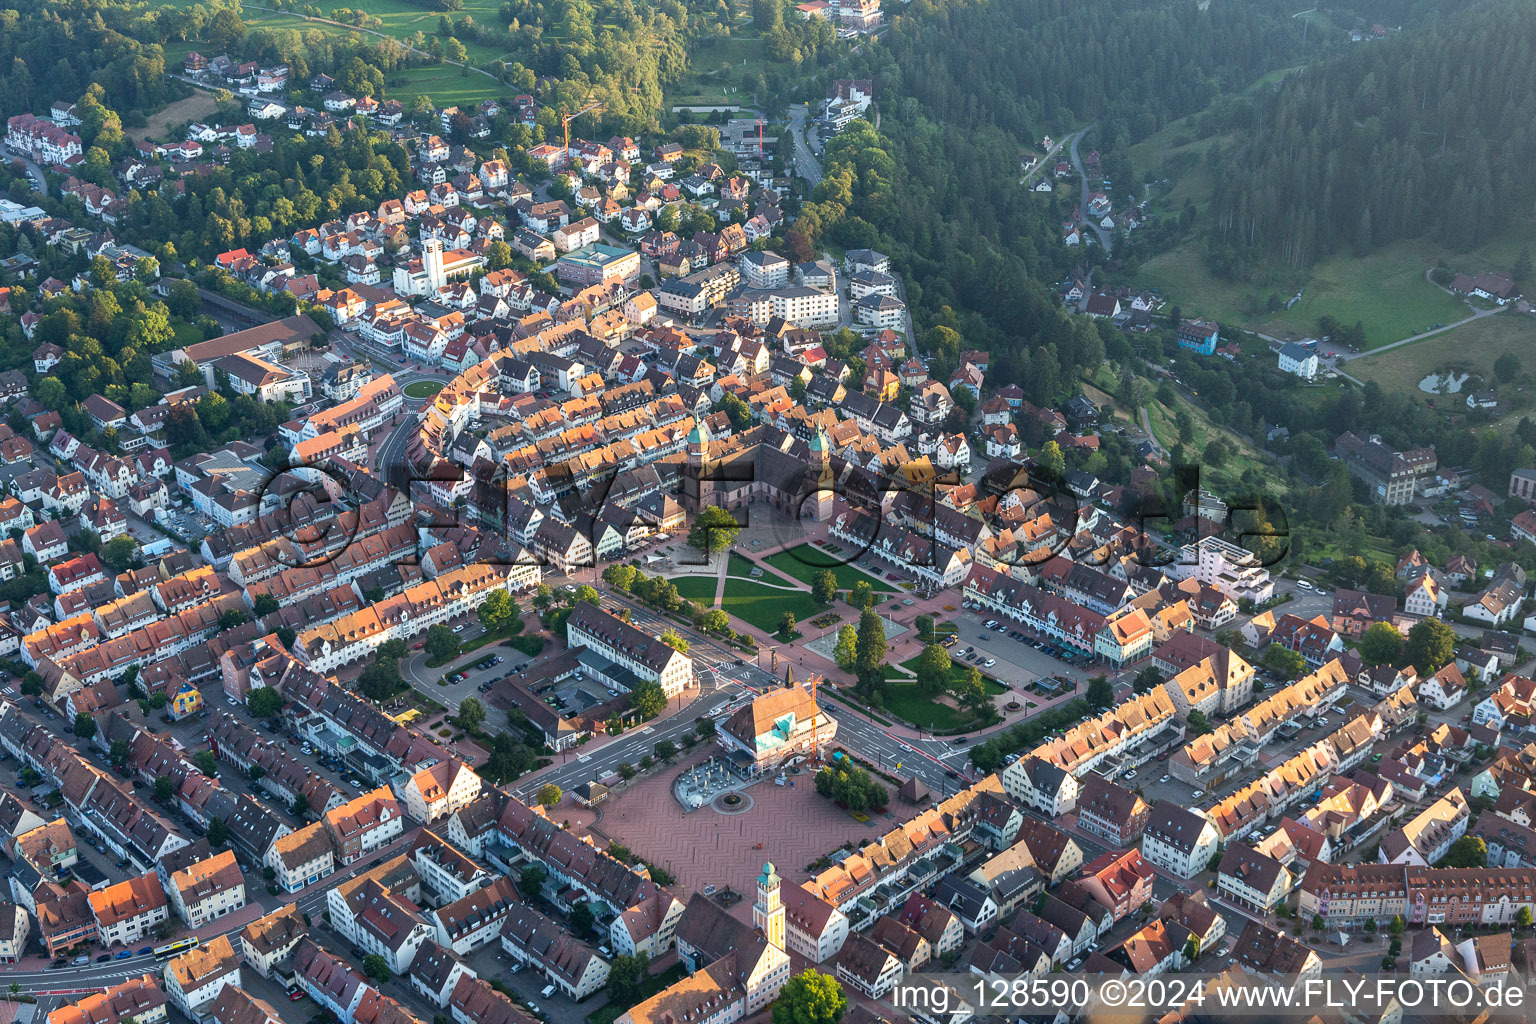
column 576, row 695
column 1017, row 662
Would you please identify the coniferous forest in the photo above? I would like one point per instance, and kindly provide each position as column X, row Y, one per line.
column 1422, row 134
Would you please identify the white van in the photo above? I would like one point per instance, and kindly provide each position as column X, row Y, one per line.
column 547, row 991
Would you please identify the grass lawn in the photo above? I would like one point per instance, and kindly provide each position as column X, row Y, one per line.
column 722, row 71
column 753, row 602
column 740, row 567
column 422, row 389
column 1385, row 291
column 764, row 606
column 906, row 701
column 990, row 685
column 805, row 561
column 698, row 589
column 445, row 85
column 1471, row 348
column 186, row 334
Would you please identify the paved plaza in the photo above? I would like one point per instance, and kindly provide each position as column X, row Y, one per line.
column 726, row 846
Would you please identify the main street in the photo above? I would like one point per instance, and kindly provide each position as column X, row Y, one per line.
column 1077, row 164
column 805, row 160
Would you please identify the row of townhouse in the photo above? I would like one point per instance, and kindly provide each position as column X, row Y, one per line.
column 328, row 647
column 1346, row 896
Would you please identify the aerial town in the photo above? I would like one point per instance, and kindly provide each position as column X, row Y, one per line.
column 457, row 564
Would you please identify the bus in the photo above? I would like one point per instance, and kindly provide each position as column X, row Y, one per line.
column 179, row 946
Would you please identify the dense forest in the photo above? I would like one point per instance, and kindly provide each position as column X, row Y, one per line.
column 54, row 51
column 1425, row 134
column 964, row 89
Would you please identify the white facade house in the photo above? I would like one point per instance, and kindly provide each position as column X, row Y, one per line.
column 1179, row 839
column 1298, row 360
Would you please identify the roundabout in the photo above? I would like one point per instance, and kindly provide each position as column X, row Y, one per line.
column 421, row 390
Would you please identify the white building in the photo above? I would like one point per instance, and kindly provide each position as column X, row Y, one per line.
column 438, row 791
column 1297, row 359
column 632, row 651
column 1233, row 570
column 814, row 928
column 195, row 979
column 1179, row 839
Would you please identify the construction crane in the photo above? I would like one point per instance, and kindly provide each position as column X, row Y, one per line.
column 815, row 681
column 566, row 119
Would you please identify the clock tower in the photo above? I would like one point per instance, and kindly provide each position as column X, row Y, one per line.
column 767, row 911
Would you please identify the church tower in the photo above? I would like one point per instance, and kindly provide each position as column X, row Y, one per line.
column 820, row 499
column 767, row 911
column 432, row 263
column 698, row 445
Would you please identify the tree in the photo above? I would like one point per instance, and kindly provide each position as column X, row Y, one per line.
column 850, row 786
column 1283, row 661
column 714, row 529
column 620, row 577
column 1099, row 694
column 531, row 881
column 266, row 604
column 582, row 919
column 471, row 714
column 1523, row 917
column 1053, row 465
column 206, row 762
column 1318, row 924
column 869, row 652
column 218, row 832
column 549, row 794
column 497, row 611
column 933, row 668
column 1382, row 644
column 587, row 594
column 626, row 978
column 164, row 789
column 1397, row 927
column 1506, row 368
column 674, row 640
column 1466, row 852
column 498, row 256
column 665, row 750
column 845, row 651
column 1197, row 723
column 824, row 587
column 648, row 699
column 264, row 702
column 119, row 553
column 1431, row 645
column 787, row 625
column 85, row 726
column 1148, row 678
column 714, row 621
column 810, row 997
column 862, row 595
column 377, row 968
column 441, row 643
column 232, row 618
column 299, row 806
column 923, row 624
